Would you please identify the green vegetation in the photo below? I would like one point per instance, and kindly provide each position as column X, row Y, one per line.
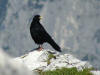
column 67, row 71
column 64, row 71
column 50, row 56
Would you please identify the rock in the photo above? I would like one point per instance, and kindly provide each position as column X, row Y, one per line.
column 67, row 61
column 38, row 60
column 34, row 60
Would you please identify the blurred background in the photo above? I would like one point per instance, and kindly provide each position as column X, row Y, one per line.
column 73, row 24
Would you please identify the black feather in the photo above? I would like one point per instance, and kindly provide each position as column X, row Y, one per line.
column 40, row 35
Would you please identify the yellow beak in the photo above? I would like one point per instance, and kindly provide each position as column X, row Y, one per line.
column 40, row 17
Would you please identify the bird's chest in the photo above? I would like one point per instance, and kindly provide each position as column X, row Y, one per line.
column 35, row 33
column 37, row 37
column 34, row 29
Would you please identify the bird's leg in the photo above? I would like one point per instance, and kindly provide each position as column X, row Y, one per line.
column 40, row 47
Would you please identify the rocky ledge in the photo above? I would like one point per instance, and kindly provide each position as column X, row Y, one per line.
column 50, row 60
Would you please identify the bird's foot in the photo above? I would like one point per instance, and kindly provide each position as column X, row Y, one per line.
column 40, row 49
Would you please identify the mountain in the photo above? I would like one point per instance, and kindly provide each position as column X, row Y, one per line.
column 71, row 23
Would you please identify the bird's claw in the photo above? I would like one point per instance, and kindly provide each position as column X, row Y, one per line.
column 40, row 49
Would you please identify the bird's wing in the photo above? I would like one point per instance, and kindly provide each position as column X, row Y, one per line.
column 43, row 33
column 47, row 38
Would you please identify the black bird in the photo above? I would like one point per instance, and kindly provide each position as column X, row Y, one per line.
column 39, row 34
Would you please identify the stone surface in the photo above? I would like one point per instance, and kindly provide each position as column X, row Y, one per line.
column 38, row 60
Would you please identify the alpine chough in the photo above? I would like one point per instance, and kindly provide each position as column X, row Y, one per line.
column 40, row 35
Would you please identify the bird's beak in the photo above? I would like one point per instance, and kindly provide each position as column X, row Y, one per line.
column 40, row 17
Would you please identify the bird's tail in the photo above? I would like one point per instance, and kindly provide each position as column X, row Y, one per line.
column 54, row 45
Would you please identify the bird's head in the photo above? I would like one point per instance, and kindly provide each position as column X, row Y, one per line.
column 37, row 18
